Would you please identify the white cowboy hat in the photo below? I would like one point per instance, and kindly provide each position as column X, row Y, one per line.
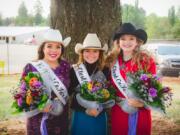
column 55, row 36
column 91, row 41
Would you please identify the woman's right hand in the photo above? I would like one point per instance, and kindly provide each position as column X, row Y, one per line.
column 92, row 112
column 135, row 103
column 54, row 107
column 47, row 108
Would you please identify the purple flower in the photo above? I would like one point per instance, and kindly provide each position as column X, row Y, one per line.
column 152, row 92
column 37, row 84
column 166, row 89
column 144, row 77
column 23, row 86
column 94, row 89
column 19, row 101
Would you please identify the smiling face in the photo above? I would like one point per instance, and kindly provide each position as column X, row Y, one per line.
column 91, row 55
column 128, row 43
column 52, row 51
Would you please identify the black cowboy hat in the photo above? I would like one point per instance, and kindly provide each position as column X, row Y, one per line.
column 128, row 28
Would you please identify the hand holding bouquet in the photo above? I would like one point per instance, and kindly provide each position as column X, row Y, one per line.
column 95, row 94
column 149, row 89
column 30, row 96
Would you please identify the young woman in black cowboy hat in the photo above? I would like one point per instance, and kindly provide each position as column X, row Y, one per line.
column 126, row 56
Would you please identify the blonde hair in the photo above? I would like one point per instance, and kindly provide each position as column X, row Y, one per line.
column 100, row 61
column 137, row 57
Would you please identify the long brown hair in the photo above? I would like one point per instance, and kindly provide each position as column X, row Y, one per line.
column 137, row 57
column 141, row 55
column 41, row 52
column 100, row 62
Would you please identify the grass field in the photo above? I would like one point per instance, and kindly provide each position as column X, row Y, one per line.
column 6, row 84
column 168, row 124
column 173, row 112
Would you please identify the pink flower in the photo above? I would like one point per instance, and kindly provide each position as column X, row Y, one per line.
column 36, row 84
column 166, row 89
column 23, row 86
column 144, row 77
column 94, row 89
column 156, row 77
column 17, row 96
column 19, row 101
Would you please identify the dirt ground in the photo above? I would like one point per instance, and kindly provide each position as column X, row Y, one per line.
column 12, row 127
column 161, row 125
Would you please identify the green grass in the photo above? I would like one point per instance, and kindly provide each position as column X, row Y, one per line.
column 6, row 84
column 173, row 111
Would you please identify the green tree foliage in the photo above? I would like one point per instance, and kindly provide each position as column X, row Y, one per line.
column 134, row 14
column 151, row 25
column 157, row 27
column 171, row 15
column 176, row 30
column 1, row 20
column 178, row 13
column 25, row 19
column 164, row 28
column 8, row 21
column 22, row 17
column 22, row 11
column 38, row 19
column 30, row 21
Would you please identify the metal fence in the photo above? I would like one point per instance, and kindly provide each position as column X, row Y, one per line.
column 13, row 57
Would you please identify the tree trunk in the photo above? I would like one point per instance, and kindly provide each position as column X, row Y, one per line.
column 76, row 18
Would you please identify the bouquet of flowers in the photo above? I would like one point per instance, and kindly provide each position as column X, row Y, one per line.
column 96, row 93
column 30, row 96
column 149, row 89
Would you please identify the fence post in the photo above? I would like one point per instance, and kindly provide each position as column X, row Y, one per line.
column 7, row 42
column 2, row 65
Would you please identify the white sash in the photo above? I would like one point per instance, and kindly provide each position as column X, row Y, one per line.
column 119, row 80
column 81, row 73
column 51, row 81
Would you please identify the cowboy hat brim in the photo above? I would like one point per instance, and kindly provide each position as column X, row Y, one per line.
column 66, row 41
column 79, row 47
column 139, row 33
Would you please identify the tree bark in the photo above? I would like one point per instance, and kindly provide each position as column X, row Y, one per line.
column 76, row 18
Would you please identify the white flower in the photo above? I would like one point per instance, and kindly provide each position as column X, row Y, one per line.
column 150, row 99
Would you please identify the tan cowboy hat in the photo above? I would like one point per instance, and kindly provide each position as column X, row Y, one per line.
column 55, row 36
column 91, row 41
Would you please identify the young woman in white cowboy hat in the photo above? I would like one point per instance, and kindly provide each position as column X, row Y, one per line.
column 53, row 120
column 127, row 57
column 86, row 121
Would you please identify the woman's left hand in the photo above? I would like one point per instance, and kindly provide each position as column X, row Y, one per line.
column 92, row 112
column 47, row 108
column 135, row 103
